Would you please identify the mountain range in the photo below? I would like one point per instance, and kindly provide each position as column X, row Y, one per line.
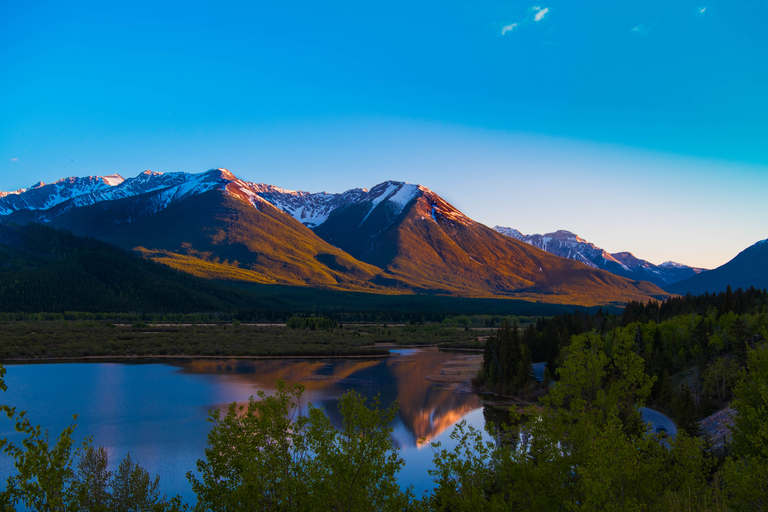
column 394, row 238
column 569, row 245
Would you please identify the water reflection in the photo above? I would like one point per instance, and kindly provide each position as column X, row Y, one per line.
column 426, row 407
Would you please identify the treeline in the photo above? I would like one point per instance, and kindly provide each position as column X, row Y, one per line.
column 729, row 301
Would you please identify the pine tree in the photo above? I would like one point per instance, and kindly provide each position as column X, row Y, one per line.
column 685, row 412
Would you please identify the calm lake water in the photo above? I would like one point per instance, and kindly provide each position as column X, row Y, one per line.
column 156, row 410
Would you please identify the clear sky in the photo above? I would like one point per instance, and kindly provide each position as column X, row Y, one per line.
column 640, row 126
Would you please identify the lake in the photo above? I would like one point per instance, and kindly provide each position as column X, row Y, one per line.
column 156, row 409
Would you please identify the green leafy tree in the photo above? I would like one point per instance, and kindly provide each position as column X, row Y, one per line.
column 464, row 476
column 94, row 478
column 719, row 376
column 354, row 467
column 45, row 478
column 745, row 475
column 266, row 456
column 133, row 490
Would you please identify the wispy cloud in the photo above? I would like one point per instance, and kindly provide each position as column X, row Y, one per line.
column 508, row 28
column 14, row 159
column 702, row 10
column 640, row 30
column 540, row 13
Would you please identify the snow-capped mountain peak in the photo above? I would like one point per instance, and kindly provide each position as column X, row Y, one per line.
column 569, row 245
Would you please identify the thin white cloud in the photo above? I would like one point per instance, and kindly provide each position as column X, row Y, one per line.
column 702, row 10
column 639, row 30
column 14, row 159
column 541, row 13
column 508, row 28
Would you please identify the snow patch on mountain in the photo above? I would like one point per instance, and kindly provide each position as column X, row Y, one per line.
column 404, row 195
column 309, row 209
column 313, row 209
column 113, row 180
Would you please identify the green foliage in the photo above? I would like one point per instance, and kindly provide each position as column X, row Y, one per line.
column 587, row 449
column 464, row 476
column 132, row 488
column 95, row 478
column 267, row 456
column 750, row 437
column 45, row 478
column 745, row 475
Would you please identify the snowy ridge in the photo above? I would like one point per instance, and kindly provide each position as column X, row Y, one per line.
column 510, row 232
column 41, row 196
column 175, row 186
column 672, row 264
column 313, row 209
column 569, row 245
column 310, row 209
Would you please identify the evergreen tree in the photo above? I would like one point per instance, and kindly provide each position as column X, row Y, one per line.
column 685, row 412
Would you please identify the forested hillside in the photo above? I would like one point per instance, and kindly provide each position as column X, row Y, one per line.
column 43, row 269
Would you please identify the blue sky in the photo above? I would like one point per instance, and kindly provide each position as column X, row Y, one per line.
column 640, row 127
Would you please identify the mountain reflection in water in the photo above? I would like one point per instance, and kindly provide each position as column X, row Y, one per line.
column 156, row 409
column 426, row 407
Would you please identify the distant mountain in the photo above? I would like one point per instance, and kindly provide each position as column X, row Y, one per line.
column 396, row 237
column 748, row 268
column 568, row 245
